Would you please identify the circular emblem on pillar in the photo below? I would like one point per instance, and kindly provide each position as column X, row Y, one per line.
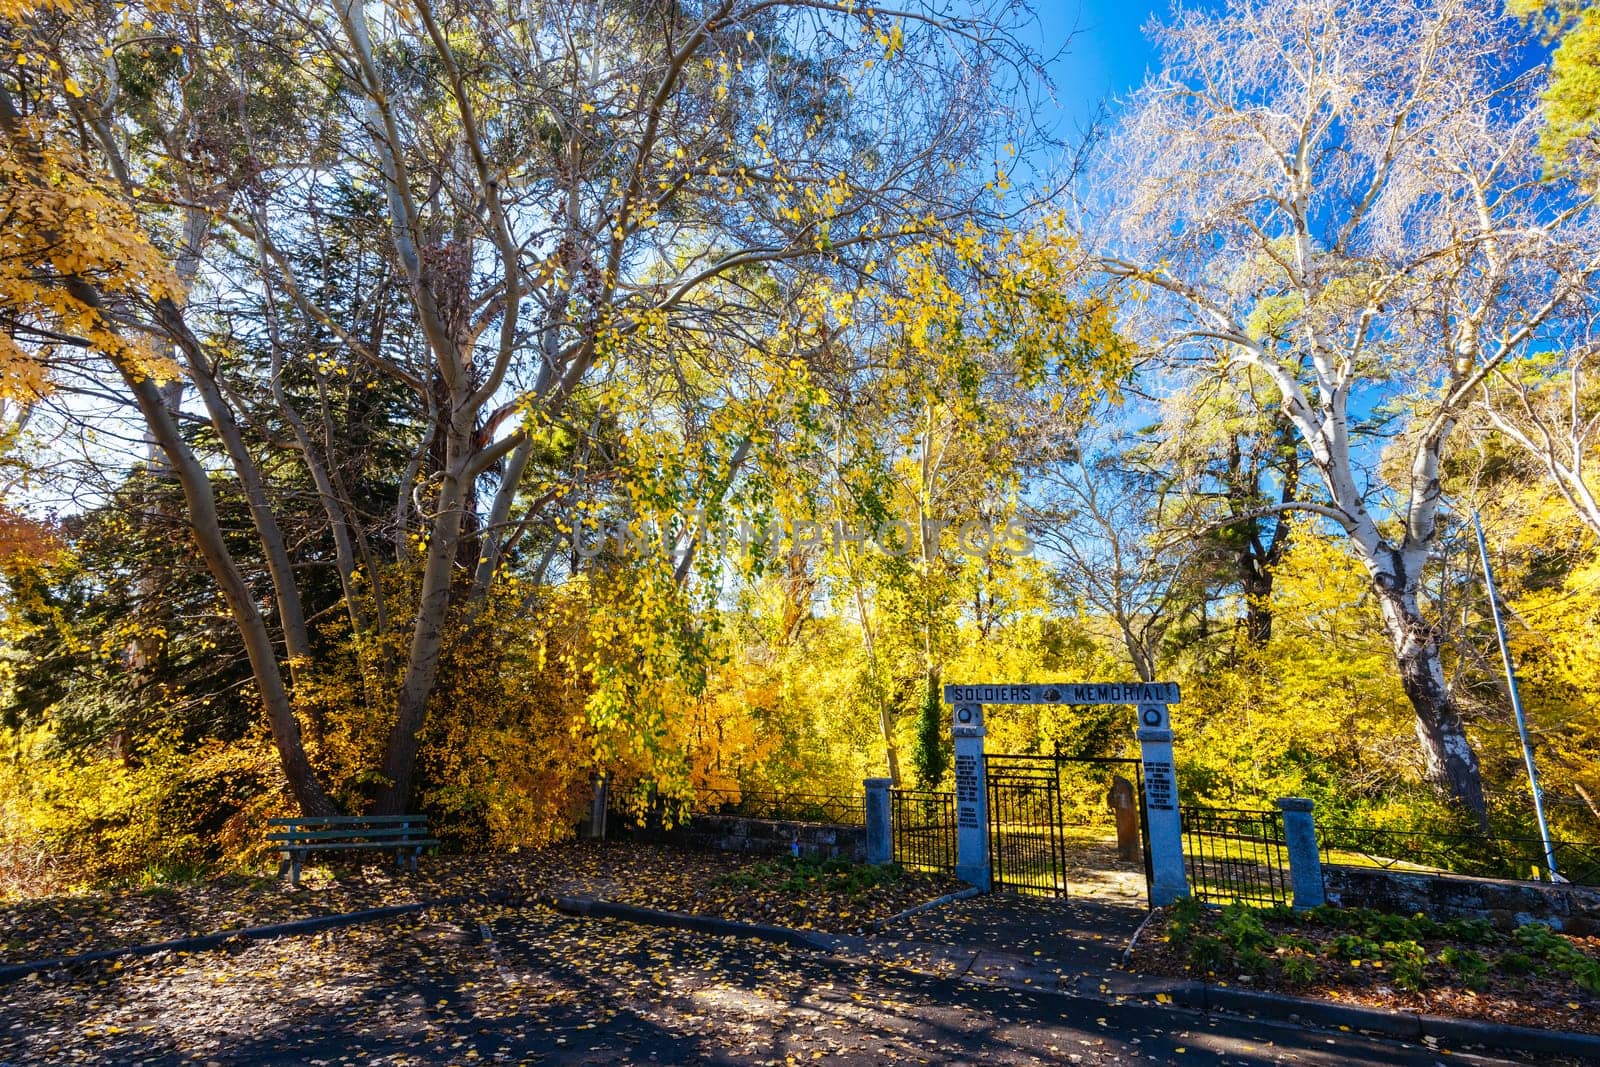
column 1151, row 714
column 964, row 714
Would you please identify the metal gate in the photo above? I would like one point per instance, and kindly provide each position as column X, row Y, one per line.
column 1027, row 848
column 1031, row 840
column 922, row 823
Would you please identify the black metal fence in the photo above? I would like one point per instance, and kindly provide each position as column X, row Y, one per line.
column 1234, row 854
column 923, row 825
column 1477, row 855
column 790, row 807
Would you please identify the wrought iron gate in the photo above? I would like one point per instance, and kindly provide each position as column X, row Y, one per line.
column 1029, row 840
column 923, row 825
column 1027, row 847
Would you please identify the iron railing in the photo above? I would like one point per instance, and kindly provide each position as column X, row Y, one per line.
column 789, row 807
column 1476, row 855
column 1234, row 854
column 923, row 825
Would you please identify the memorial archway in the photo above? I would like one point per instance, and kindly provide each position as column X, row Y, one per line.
column 1164, row 837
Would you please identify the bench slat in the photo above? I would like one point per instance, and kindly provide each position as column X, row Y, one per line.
column 330, row 845
column 333, row 821
column 351, row 835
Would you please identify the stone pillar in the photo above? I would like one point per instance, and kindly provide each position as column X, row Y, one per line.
column 1168, row 882
column 1305, row 859
column 880, row 830
column 972, row 797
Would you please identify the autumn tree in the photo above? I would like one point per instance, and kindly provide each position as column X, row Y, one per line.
column 1571, row 137
column 1348, row 199
column 477, row 227
column 1097, row 510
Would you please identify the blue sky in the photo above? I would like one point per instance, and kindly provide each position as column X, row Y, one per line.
column 1109, row 55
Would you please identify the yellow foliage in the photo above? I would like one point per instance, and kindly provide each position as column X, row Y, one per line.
column 68, row 820
column 64, row 227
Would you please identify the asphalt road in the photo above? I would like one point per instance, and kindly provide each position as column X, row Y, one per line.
column 485, row 985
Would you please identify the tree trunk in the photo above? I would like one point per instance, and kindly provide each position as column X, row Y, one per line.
column 892, row 754
column 427, row 639
column 208, row 535
column 1256, row 583
column 1451, row 764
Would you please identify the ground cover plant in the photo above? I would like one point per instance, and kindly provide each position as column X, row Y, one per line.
column 1530, row 975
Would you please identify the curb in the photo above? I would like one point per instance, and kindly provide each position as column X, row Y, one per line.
column 1195, row 996
column 1407, row 1025
column 10, row 972
column 927, row 905
column 591, row 907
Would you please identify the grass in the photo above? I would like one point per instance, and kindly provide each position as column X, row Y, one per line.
column 807, row 874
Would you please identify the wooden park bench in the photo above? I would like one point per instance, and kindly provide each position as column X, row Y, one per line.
column 404, row 835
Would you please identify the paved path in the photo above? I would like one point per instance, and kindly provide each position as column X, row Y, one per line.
column 480, row 985
column 1010, row 938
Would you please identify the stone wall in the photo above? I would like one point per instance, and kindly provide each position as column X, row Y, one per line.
column 1573, row 908
column 774, row 837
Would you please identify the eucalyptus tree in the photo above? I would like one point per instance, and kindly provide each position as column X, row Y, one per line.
column 497, row 220
column 1547, row 407
column 1345, row 200
column 1097, row 508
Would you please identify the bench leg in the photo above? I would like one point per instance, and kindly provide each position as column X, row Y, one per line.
column 414, row 854
column 294, row 876
column 283, row 864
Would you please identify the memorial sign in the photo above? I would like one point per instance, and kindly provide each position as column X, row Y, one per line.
column 1160, row 786
column 1068, row 693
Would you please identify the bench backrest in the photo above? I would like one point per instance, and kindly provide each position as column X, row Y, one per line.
column 328, row 822
column 396, row 828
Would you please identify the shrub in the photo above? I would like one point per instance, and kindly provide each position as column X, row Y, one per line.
column 1207, row 952
column 71, row 820
column 1408, row 964
column 1516, row 963
column 1474, row 930
column 1354, row 947
column 1470, row 966
column 1242, row 928
column 1253, row 961
column 1299, row 969
column 1182, row 918
column 1540, row 941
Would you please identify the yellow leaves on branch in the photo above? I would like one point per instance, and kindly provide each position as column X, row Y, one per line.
column 63, row 227
column 15, row 11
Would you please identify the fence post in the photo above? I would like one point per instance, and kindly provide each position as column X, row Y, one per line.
column 1305, row 859
column 880, row 833
column 599, row 803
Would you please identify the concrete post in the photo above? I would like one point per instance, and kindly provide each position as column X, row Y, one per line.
column 972, row 797
column 598, row 805
column 1168, row 881
column 1305, row 859
column 880, row 830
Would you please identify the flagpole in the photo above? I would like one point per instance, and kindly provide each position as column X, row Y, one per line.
column 1516, row 701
